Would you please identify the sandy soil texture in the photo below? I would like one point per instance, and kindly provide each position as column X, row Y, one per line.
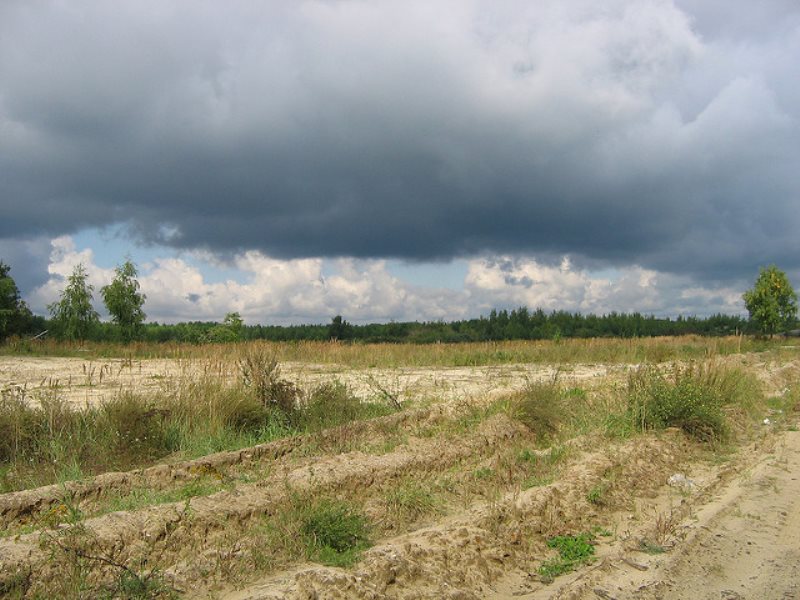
column 84, row 381
column 672, row 523
column 739, row 540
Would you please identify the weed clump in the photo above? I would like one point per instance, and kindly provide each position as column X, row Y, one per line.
column 139, row 428
column 541, row 466
column 335, row 533
column 330, row 404
column 18, row 422
column 261, row 373
column 409, row 501
column 541, row 407
column 573, row 551
column 692, row 398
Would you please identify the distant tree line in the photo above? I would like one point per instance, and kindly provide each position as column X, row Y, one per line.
column 772, row 304
column 518, row 324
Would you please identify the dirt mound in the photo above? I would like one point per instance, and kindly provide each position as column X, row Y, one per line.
column 475, row 549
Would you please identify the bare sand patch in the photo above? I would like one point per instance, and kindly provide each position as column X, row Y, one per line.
column 84, row 382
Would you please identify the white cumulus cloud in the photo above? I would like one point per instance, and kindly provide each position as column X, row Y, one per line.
column 312, row 290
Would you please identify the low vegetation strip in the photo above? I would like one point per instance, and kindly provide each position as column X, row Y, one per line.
column 634, row 350
column 25, row 506
column 54, row 440
column 226, row 511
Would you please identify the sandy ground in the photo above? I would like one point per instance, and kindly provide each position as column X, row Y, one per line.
column 82, row 381
column 733, row 533
column 738, row 539
column 741, row 542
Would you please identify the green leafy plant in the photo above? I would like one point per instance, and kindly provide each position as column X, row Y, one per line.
column 124, row 301
column 335, row 533
column 772, row 303
column 573, row 551
column 597, row 494
column 74, row 314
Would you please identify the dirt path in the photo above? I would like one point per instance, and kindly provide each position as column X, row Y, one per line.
column 744, row 544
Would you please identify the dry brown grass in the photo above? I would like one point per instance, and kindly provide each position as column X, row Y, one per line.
column 357, row 355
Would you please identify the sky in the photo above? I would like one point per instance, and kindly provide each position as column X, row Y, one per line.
column 416, row 160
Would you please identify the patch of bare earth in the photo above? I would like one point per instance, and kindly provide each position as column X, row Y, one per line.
column 736, row 538
column 478, row 551
column 92, row 381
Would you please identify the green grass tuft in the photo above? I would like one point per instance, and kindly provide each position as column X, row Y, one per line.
column 335, row 533
column 573, row 551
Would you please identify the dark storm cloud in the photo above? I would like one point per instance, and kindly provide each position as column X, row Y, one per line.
column 626, row 132
column 28, row 259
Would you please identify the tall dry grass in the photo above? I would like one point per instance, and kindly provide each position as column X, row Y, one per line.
column 703, row 399
column 357, row 355
column 45, row 439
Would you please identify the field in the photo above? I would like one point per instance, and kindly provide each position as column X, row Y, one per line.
column 572, row 469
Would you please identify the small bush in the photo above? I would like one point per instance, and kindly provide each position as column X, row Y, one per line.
column 540, row 406
column 334, row 532
column 692, row 398
column 261, row 373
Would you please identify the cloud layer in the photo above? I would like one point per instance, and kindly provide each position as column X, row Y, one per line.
column 314, row 290
column 633, row 134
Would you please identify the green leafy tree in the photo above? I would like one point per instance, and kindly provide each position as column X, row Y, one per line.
column 15, row 317
column 235, row 323
column 772, row 303
column 230, row 331
column 124, row 301
column 73, row 314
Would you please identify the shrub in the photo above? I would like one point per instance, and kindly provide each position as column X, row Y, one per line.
column 540, row 406
column 692, row 398
column 334, row 532
column 261, row 373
